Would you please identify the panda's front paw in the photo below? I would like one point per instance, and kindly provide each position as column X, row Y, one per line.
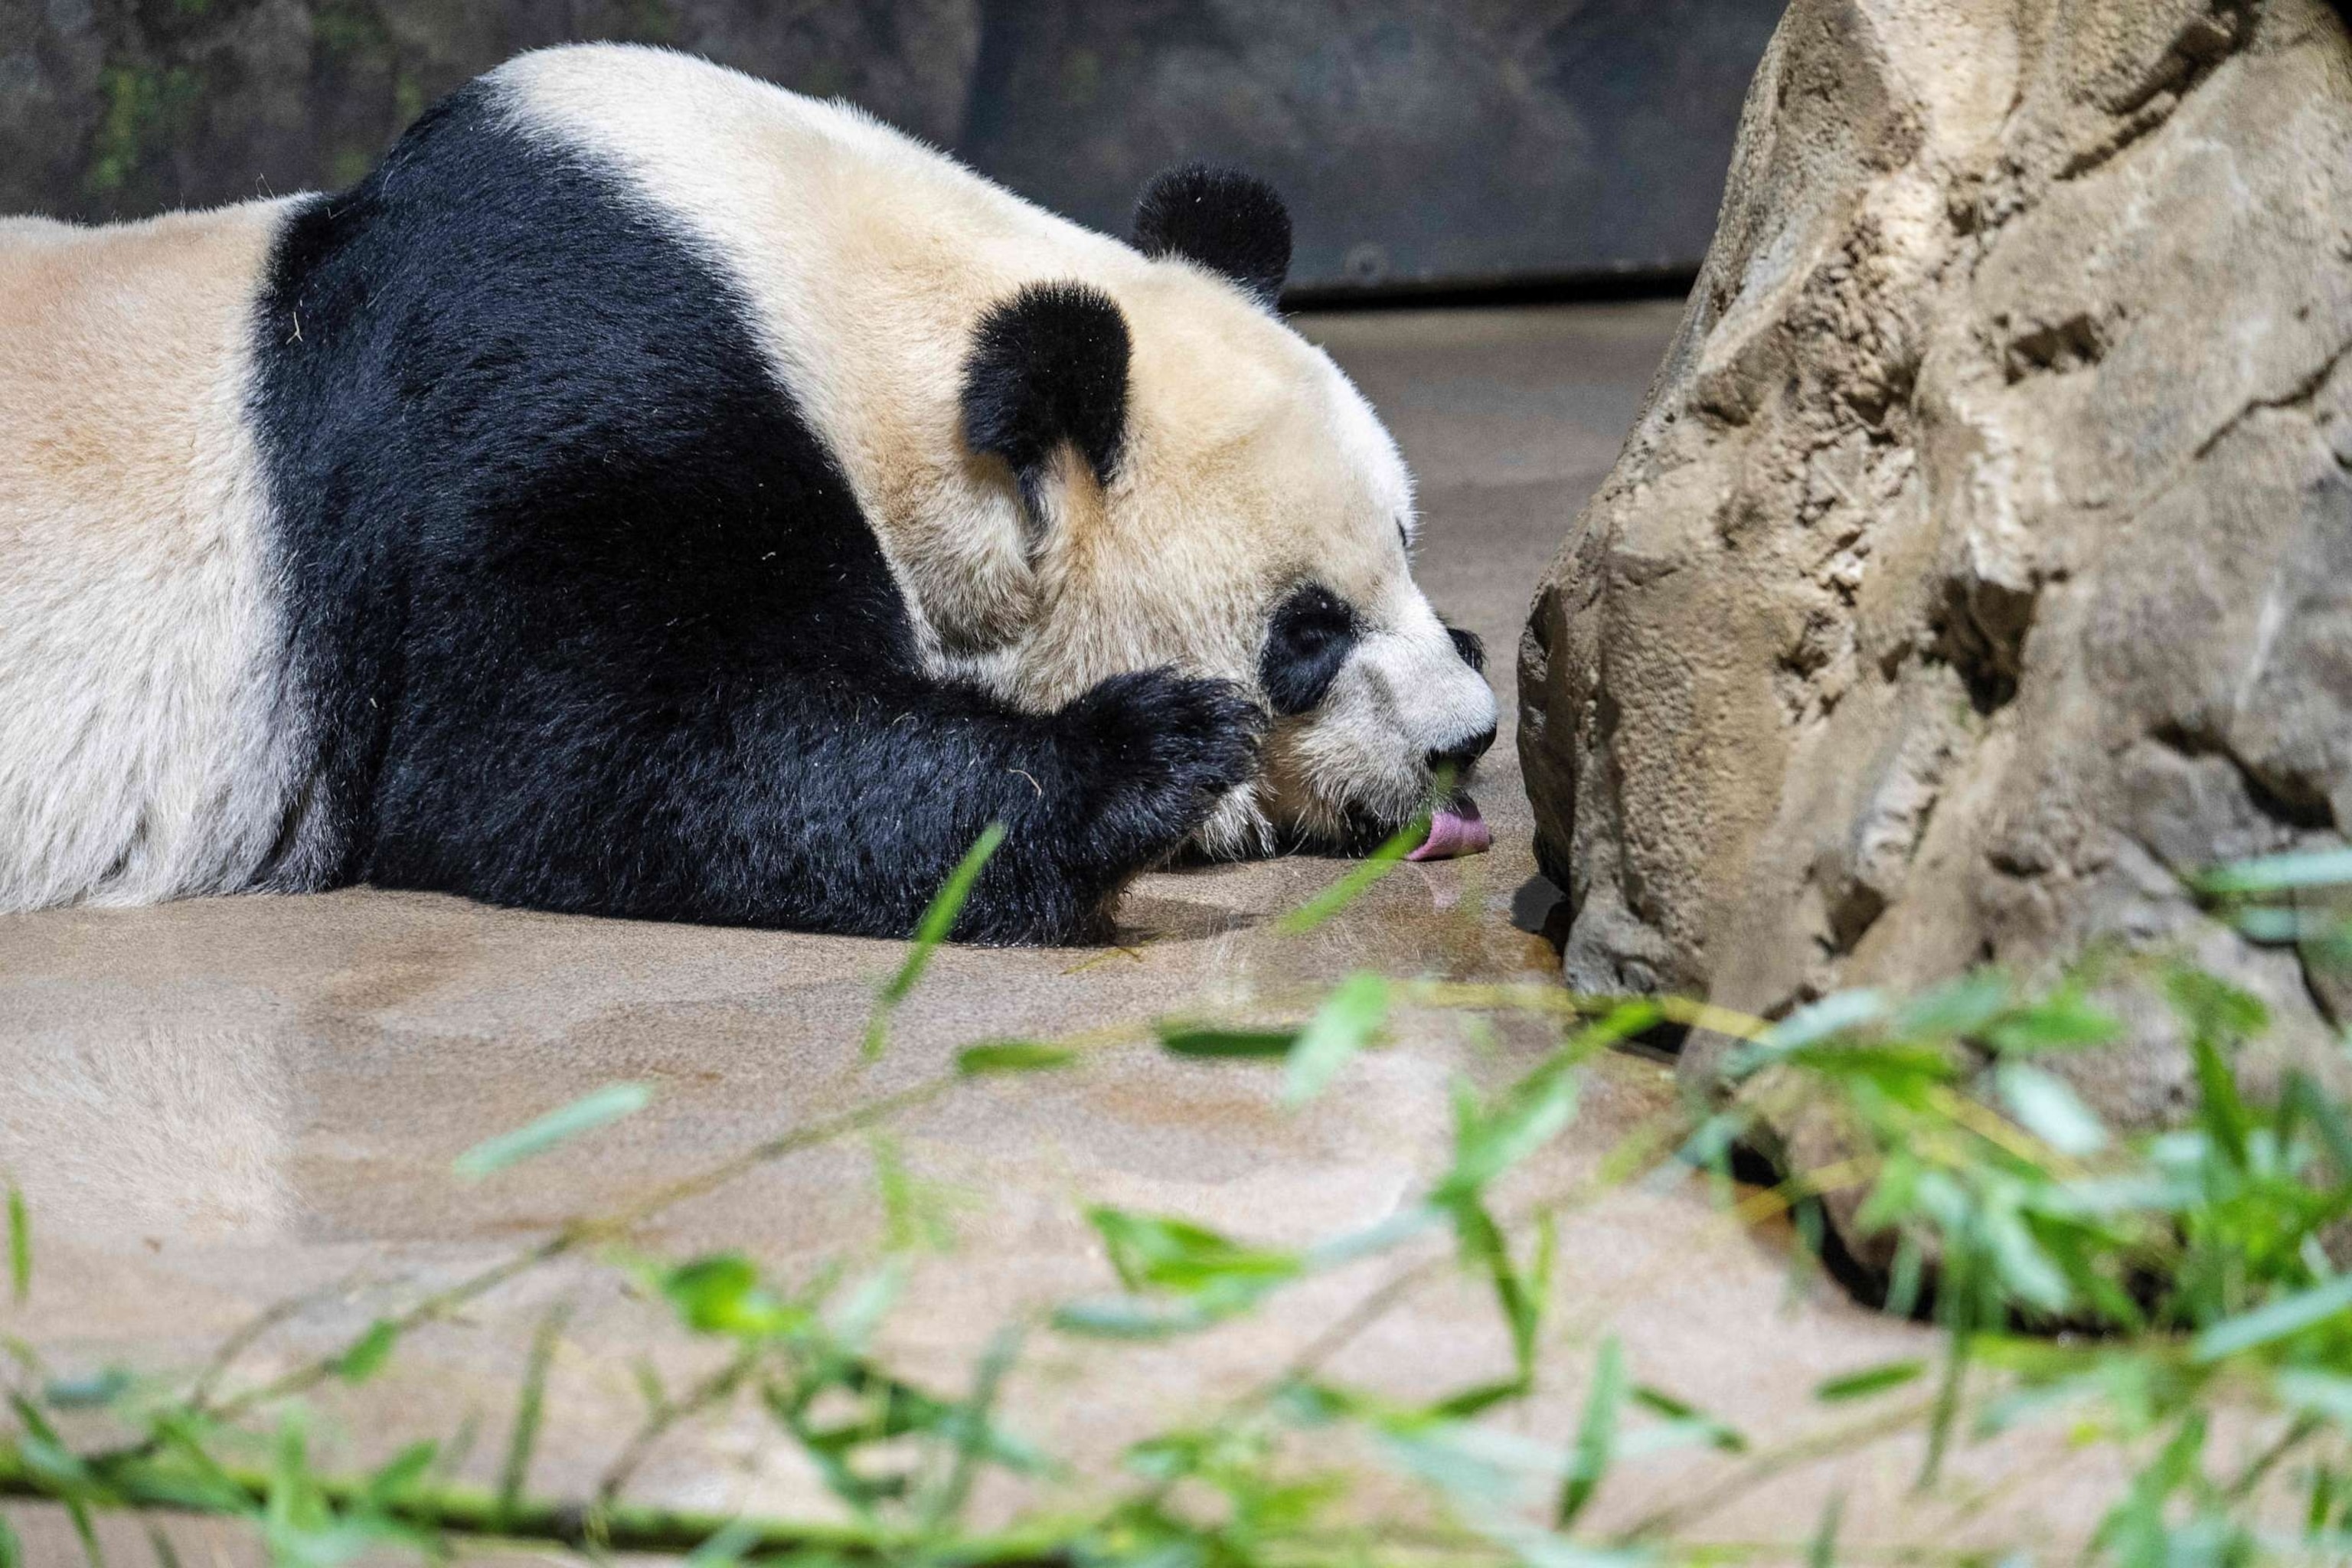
column 1154, row 753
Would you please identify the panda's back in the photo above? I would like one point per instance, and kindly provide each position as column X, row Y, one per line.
column 137, row 632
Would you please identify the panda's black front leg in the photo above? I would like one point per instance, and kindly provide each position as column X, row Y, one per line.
column 1108, row 787
column 817, row 806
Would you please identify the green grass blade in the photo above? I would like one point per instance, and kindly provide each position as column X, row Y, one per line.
column 2273, row 1321
column 529, row 1410
column 1596, row 1434
column 586, row 1114
column 726, row 1549
column 1343, row 1027
column 20, row 1245
column 1712, row 1430
column 2279, row 874
column 79, row 1511
column 1822, row 1551
column 1012, row 1056
column 1869, row 1381
column 2047, row 1105
column 1359, row 881
column 368, row 1353
column 1207, row 1040
column 1959, row 1352
column 938, row 920
column 970, row 1427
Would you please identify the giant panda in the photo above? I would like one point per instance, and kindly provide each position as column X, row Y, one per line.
column 654, row 494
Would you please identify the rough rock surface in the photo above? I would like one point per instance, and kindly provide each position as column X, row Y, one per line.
column 1982, row 565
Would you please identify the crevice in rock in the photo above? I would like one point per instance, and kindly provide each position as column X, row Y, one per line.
column 1866, row 1284
column 1981, row 633
column 2058, row 348
column 2292, row 803
column 1853, row 913
column 2295, row 397
column 2194, row 55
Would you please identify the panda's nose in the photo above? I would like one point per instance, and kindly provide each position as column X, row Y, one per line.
column 1457, row 758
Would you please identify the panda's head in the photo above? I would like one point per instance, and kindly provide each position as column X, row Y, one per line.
column 1195, row 485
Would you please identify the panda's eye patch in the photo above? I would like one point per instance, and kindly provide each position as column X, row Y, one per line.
column 1313, row 633
column 1470, row 648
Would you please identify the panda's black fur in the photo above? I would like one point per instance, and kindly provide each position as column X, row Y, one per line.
column 1228, row 221
column 585, row 616
column 1048, row 366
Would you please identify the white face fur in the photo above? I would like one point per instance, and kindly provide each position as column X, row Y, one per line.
column 1253, row 469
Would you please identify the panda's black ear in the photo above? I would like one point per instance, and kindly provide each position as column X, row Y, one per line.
column 1048, row 365
column 1227, row 221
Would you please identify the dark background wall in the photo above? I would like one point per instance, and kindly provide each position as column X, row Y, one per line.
column 1419, row 142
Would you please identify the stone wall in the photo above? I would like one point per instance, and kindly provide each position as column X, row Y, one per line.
column 1419, row 140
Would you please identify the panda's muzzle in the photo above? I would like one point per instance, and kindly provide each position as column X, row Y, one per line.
column 1457, row 759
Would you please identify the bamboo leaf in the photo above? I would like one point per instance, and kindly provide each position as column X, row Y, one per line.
column 1012, row 1056
column 20, row 1247
column 1714, row 1430
column 1596, row 1434
column 1202, row 1040
column 2273, row 1321
column 2064, row 1020
column 1489, row 1142
column 584, row 1115
column 85, row 1531
column 2047, row 1107
column 2279, row 874
column 720, row 1293
column 530, row 1407
column 1826, row 1019
column 938, row 919
column 1343, row 1027
column 1869, row 1381
column 1356, row 882
column 1128, row 1318
column 1152, row 1252
column 1822, row 1551
column 2323, row 1394
column 368, row 1353
column 403, row 1471
column 1961, row 1008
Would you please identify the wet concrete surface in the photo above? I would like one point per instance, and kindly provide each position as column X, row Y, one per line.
column 219, row 1105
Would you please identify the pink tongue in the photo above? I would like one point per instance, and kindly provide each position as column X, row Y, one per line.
column 1455, row 828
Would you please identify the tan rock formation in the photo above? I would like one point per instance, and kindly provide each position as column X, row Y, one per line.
column 1982, row 565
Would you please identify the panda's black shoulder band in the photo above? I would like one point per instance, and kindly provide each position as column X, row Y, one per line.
column 1227, row 221
column 1048, row 365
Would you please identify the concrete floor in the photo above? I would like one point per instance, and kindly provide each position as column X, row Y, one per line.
column 222, row 1104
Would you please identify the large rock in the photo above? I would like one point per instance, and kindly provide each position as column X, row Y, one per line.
column 1982, row 565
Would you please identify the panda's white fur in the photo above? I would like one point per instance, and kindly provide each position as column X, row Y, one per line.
column 144, row 753
column 1252, row 461
column 154, row 737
